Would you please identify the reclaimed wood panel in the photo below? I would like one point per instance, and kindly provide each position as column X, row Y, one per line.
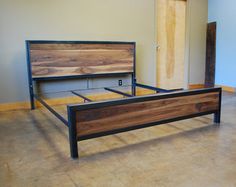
column 210, row 55
column 52, row 60
column 103, row 119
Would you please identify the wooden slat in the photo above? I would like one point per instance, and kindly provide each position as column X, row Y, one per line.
column 50, row 60
column 120, row 116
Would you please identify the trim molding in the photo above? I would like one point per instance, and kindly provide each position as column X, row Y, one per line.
column 228, row 88
column 14, row 106
column 195, row 86
column 65, row 100
column 224, row 88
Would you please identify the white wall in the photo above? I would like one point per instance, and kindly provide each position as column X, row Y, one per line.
column 224, row 13
column 114, row 20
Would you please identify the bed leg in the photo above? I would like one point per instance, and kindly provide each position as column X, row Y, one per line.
column 217, row 117
column 32, row 104
column 73, row 149
column 73, row 143
column 72, row 134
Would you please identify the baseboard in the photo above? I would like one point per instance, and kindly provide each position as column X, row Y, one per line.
column 227, row 88
column 65, row 101
column 224, row 88
column 14, row 106
column 195, row 86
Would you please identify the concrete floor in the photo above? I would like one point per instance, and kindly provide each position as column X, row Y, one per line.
column 34, row 151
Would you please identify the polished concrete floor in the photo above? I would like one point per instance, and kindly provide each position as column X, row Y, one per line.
column 34, row 151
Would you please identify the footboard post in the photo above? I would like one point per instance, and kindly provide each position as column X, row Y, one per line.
column 217, row 115
column 72, row 133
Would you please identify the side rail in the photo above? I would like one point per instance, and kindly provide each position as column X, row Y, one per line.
column 91, row 120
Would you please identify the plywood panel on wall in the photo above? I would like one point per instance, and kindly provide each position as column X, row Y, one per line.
column 171, row 28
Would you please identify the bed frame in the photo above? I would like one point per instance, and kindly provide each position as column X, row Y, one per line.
column 62, row 60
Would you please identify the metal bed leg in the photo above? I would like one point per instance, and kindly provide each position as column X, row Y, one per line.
column 133, row 87
column 32, row 104
column 72, row 134
column 217, row 115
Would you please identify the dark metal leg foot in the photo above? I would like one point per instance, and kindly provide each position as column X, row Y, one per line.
column 72, row 134
column 217, row 117
column 73, row 143
column 32, row 104
column 74, row 151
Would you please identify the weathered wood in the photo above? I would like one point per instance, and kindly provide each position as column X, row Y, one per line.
column 51, row 60
column 210, row 55
column 92, row 121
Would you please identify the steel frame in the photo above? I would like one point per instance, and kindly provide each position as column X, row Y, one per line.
column 81, row 96
column 130, row 98
column 118, row 92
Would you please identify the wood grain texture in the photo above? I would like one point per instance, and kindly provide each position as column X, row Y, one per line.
column 51, row 60
column 171, row 27
column 210, row 55
column 92, row 121
column 195, row 86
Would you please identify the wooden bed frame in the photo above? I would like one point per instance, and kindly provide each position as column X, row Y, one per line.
column 60, row 60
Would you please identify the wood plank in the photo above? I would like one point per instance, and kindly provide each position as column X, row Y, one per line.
column 49, row 60
column 120, row 116
column 80, row 46
column 196, row 86
column 210, row 55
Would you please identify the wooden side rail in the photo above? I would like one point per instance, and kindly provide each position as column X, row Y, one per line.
column 91, row 120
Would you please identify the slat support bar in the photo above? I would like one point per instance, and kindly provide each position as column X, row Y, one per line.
column 81, row 96
column 51, row 110
column 118, row 92
column 156, row 89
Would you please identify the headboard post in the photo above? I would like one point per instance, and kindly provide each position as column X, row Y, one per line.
column 30, row 79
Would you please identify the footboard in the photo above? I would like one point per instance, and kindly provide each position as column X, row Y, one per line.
column 97, row 119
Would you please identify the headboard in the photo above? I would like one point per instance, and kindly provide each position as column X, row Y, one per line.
column 58, row 59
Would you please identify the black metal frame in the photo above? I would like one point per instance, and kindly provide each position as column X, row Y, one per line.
column 129, row 98
column 81, row 96
column 118, row 92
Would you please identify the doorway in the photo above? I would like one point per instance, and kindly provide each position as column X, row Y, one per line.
column 171, row 40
